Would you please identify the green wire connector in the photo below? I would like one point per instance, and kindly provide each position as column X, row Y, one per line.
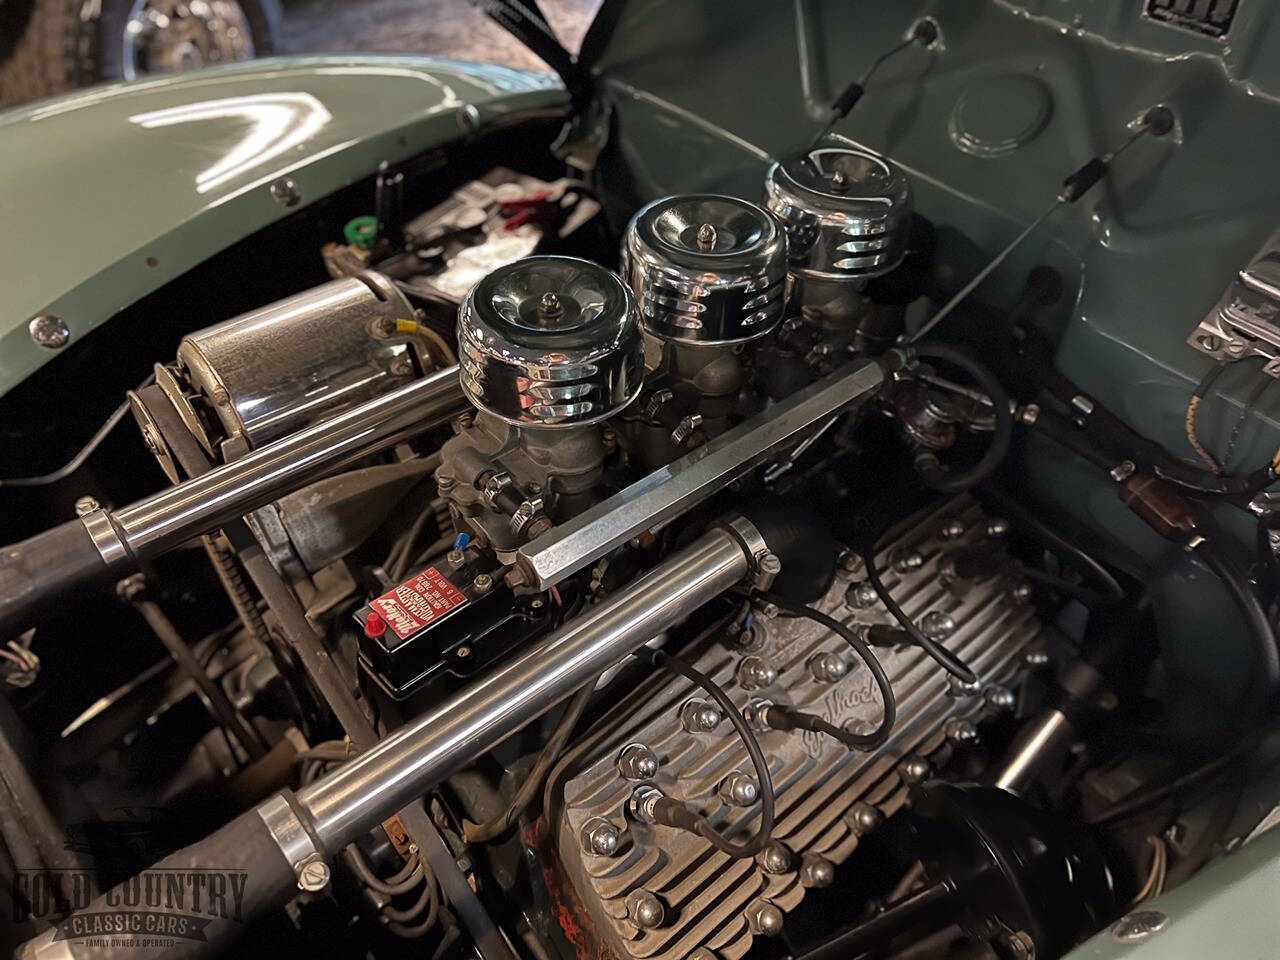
column 361, row 232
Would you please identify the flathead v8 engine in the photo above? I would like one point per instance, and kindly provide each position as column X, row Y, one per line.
column 579, row 574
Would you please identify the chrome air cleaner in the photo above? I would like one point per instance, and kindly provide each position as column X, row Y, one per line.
column 551, row 342
column 705, row 269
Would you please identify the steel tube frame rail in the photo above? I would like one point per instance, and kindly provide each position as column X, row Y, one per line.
column 402, row 767
column 38, row 572
column 287, row 832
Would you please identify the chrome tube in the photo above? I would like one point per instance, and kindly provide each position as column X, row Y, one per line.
column 37, row 574
column 362, row 793
column 1042, row 741
column 167, row 519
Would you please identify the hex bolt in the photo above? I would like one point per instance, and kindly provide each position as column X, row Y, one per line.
column 864, row 817
column 828, row 667
column 738, row 789
column 1002, row 698
column 937, row 625
column 951, row 530
column 699, row 716
column 915, row 769
column 848, row 562
column 637, row 762
column 401, row 366
column 49, row 331
column 313, row 874
column 769, row 564
column 960, row 732
column 774, row 858
column 456, row 558
column 997, row 527
column 763, row 918
column 644, row 909
column 860, row 596
column 754, row 673
column 86, row 506
column 600, row 837
column 816, row 871
column 483, row 583
column 906, row 560
column 706, row 237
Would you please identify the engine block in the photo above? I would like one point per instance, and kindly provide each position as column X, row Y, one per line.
column 709, row 905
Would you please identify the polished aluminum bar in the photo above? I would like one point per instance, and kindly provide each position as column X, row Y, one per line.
column 360, row 794
column 693, row 478
column 171, row 517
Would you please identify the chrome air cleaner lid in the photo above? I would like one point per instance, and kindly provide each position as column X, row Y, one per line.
column 705, row 268
column 550, row 341
column 846, row 212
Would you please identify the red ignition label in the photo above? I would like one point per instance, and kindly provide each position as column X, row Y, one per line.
column 415, row 603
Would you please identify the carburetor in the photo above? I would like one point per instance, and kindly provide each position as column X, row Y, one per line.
column 548, row 348
column 846, row 213
column 708, row 273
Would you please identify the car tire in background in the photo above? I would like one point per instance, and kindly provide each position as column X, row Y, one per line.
column 47, row 48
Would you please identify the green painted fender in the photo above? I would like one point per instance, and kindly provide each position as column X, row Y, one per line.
column 108, row 193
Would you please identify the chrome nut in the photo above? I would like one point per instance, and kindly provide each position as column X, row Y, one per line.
column 754, row 673
column 763, row 918
column 864, row 817
column 600, row 837
column 637, row 762
column 860, row 596
column 699, row 716
column 937, row 625
column 644, row 909
column 828, row 667
column 774, row 858
column 816, row 871
column 738, row 789
column 915, row 769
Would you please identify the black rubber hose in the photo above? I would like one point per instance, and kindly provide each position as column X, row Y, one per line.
column 931, row 471
column 695, row 821
column 944, row 657
column 1237, row 584
column 40, row 575
column 258, row 880
column 877, row 737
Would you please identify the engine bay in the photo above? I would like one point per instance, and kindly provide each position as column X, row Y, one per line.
column 536, row 581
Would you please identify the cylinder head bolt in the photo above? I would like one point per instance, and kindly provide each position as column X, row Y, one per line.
column 846, row 212
column 550, row 342
column 706, row 269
